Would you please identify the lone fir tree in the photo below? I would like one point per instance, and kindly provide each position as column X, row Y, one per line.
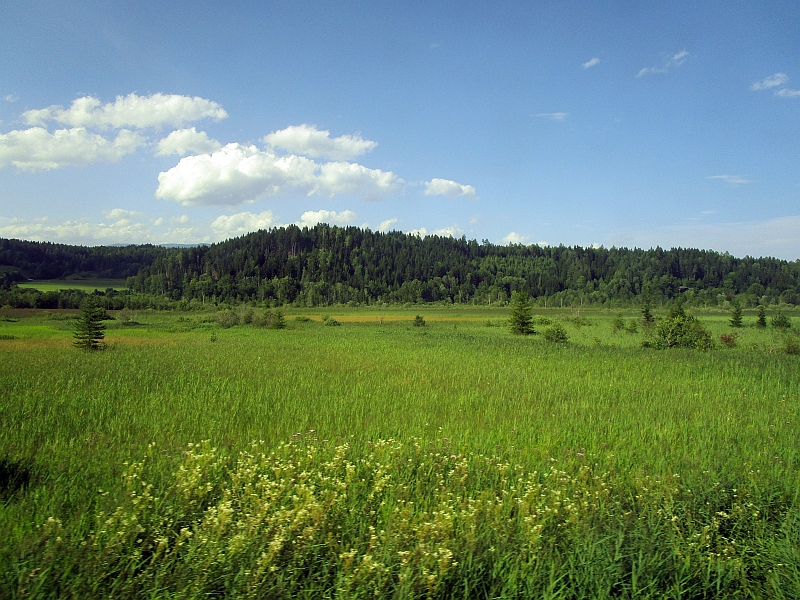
column 761, row 322
column 521, row 319
column 736, row 314
column 89, row 329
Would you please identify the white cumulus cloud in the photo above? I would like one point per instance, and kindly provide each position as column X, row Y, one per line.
column 312, row 217
column 350, row 178
column 141, row 112
column 238, row 173
column 449, row 188
column 36, row 149
column 309, row 141
column 591, row 63
column 776, row 80
column 226, row 226
column 187, row 141
column 387, row 225
column 515, row 238
column 453, row 231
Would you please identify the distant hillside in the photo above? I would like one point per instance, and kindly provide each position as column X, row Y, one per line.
column 43, row 260
column 327, row 265
column 330, row 265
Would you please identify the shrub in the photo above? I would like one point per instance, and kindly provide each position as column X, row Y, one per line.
column 302, row 319
column 728, row 339
column 418, row 321
column 679, row 330
column 792, row 345
column 264, row 319
column 780, row 321
column 556, row 333
column 227, row 318
column 633, row 326
column 618, row 323
column 331, row 322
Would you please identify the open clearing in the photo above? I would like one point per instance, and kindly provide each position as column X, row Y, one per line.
column 620, row 468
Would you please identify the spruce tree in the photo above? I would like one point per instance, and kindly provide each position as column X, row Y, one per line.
column 736, row 314
column 761, row 322
column 89, row 329
column 521, row 319
column 647, row 314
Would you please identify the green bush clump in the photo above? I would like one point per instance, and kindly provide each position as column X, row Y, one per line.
column 781, row 321
column 330, row 322
column 227, row 319
column 556, row 333
column 681, row 330
column 419, row 321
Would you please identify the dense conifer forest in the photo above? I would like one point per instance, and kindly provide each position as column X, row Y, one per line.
column 327, row 265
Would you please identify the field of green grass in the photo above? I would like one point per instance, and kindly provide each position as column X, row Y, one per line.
column 87, row 285
column 379, row 459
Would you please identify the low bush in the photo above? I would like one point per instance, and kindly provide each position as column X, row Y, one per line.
column 419, row 321
column 780, row 321
column 556, row 333
column 728, row 340
column 681, row 330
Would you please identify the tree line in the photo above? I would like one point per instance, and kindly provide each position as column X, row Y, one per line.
column 326, row 265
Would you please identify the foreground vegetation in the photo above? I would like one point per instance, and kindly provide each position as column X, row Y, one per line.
column 380, row 458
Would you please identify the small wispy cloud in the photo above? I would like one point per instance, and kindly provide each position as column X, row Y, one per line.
column 670, row 64
column 553, row 116
column 11, row 98
column 591, row 63
column 772, row 81
column 787, row 93
column 732, row 179
column 776, row 81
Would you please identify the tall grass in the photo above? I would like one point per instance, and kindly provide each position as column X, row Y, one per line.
column 646, row 446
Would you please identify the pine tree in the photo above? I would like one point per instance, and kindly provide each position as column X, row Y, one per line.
column 736, row 314
column 647, row 314
column 89, row 329
column 521, row 319
column 761, row 322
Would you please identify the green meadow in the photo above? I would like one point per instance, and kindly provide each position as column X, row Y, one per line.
column 381, row 459
column 85, row 285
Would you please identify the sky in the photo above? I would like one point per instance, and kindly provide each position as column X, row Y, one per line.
column 627, row 124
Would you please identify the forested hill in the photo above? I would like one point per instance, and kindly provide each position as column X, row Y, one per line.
column 327, row 265
column 43, row 260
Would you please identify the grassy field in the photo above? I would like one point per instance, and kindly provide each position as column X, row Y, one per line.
column 385, row 460
column 87, row 285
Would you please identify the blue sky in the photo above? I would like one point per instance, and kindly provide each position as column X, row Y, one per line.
column 620, row 124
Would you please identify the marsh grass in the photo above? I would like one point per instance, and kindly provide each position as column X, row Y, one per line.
column 669, row 433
